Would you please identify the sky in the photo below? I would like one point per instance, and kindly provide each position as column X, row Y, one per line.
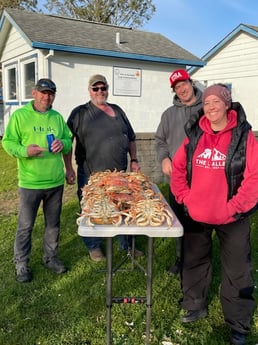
column 198, row 25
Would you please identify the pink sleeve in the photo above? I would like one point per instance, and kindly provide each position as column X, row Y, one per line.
column 178, row 181
column 247, row 194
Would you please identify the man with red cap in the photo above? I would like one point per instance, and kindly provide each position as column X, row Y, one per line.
column 169, row 136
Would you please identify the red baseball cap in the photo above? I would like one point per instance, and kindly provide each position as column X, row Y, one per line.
column 178, row 75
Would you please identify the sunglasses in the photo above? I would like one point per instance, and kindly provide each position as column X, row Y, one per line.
column 97, row 88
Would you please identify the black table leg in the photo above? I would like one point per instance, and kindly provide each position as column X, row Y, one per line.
column 109, row 297
column 109, row 255
column 149, row 289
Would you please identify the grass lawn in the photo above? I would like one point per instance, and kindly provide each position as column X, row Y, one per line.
column 71, row 309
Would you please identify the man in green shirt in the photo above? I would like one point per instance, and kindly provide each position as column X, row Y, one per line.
column 40, row 174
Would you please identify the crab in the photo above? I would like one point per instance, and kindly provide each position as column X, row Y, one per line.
column 149, row 212
column 100, row 210
column 114, row 197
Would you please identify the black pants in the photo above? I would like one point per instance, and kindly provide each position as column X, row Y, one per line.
column 236, row 272
column 185, row 220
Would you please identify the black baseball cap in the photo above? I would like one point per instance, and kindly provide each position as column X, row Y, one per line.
column 45, row 85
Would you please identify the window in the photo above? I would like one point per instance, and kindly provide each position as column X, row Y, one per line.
column 19, row 80
column 11, row 85
column 28, row 77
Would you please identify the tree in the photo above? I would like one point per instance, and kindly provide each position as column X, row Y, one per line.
column 132, row 13
column 22, row 4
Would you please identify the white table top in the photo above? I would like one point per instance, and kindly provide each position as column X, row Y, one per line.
column 176, row 230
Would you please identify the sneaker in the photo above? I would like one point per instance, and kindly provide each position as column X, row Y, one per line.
column 56, row 266
column 194, row 315
column 237, row 338
column 176, row 268
column 23, row 274
column 96, row 255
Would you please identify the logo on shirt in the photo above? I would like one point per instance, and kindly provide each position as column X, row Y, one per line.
column 42, row 129
column 211, row 158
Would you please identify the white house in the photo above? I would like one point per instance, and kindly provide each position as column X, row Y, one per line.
column 137, row 64
column 234, row 61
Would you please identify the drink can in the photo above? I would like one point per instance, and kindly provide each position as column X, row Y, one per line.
column 50, row 139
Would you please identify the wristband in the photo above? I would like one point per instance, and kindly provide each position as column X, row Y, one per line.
column 134, row 160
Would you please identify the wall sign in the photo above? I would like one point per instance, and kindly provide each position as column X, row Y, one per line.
column 127, row 81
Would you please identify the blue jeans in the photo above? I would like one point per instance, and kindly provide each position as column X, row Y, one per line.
column 82, row 180
column 124, row 242
column 90, row 242
column 29, row 204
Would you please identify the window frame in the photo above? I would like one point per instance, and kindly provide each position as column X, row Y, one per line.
column 28, row 84
column 7, row 91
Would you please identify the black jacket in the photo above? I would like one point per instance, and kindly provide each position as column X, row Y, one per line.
column 236, row 155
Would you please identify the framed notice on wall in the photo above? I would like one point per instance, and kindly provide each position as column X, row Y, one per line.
column 127, row 81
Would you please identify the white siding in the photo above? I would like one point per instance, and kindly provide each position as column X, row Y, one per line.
column 15, row 46
column 71, row 74
column 236, row 63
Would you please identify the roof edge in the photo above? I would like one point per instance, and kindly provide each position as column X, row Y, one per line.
column 6, row 16
column 108, row 53
column 226, row 39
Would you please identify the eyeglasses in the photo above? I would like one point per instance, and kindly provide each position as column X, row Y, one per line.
column 97, row 88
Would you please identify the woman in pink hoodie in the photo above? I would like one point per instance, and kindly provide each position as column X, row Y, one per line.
column 215, row 176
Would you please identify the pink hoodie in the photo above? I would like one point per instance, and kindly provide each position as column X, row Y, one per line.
column 206, row 200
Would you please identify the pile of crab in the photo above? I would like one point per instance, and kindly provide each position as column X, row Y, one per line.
column 113, row 197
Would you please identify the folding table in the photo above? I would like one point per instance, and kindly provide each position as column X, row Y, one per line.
column 109, row 231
